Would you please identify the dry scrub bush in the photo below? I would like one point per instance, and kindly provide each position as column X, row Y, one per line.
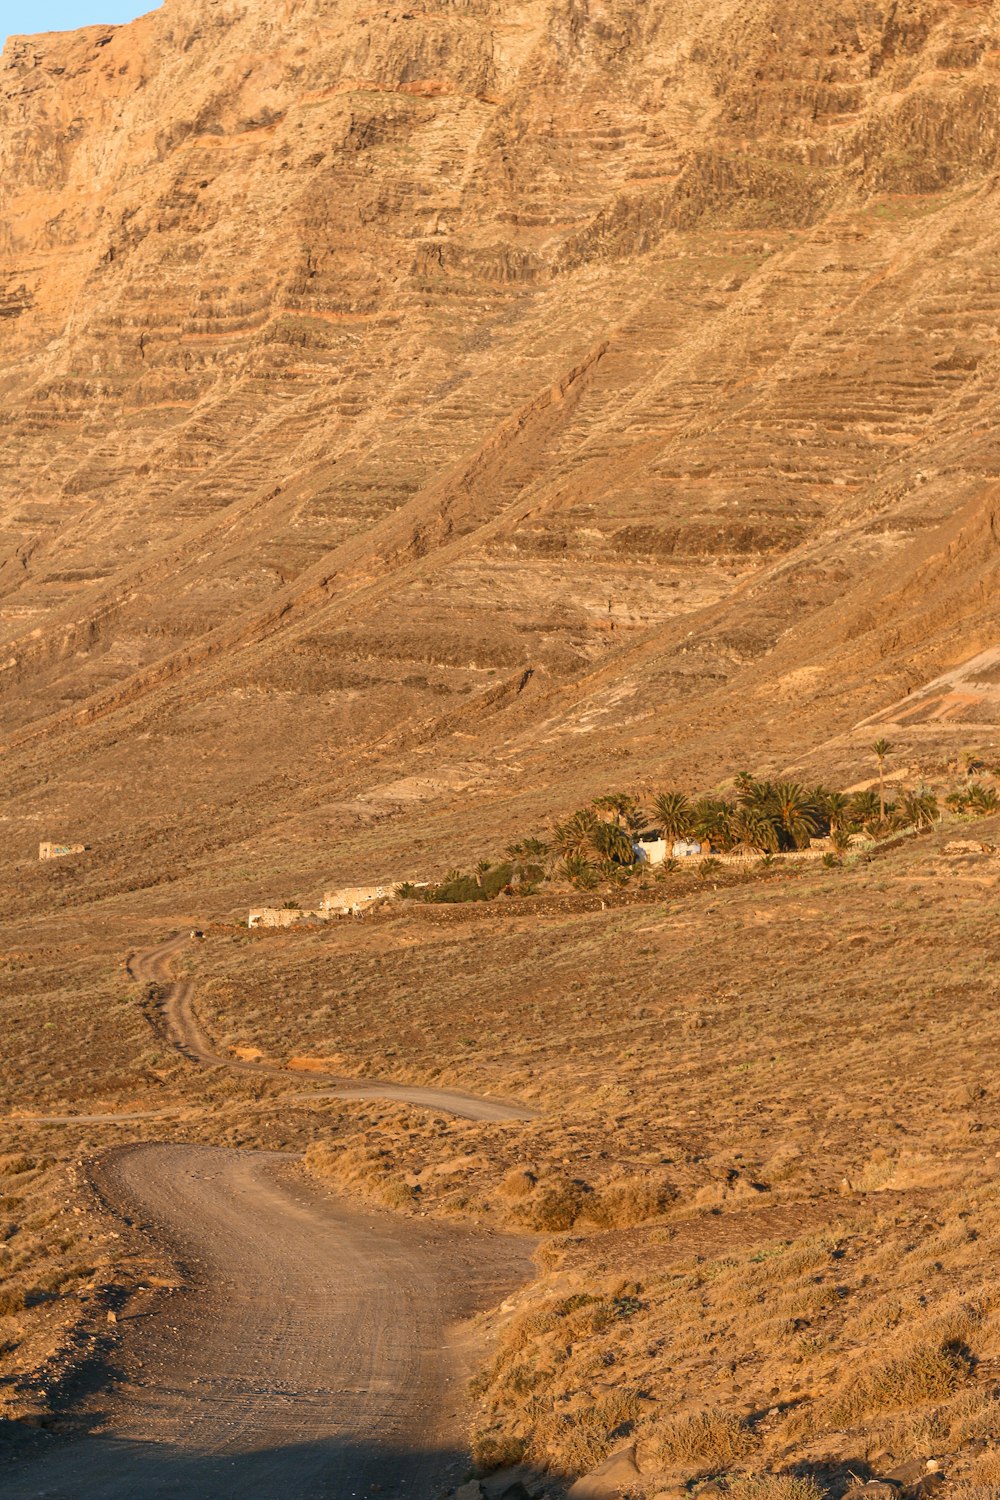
column 518, row 1184
column 621, row 1205
column 583, row 1439
column 393, row 1192
column 364, row 1170
column 974, row 1415
column 569, row 1314
column 17, row 1164
column 914, row 1433
column 969, row 1417
column 563, row 1204
column 555, row 1209
column 773, row 1487
column 986, row 1469
column 496, row 1450
column 708, row 1439
column 525, row 1400
column 929, row 1372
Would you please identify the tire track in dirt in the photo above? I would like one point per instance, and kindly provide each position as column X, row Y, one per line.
column 181, row 1028
column 312, row 1352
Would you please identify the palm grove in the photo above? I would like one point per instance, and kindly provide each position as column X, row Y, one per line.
column 757, row 818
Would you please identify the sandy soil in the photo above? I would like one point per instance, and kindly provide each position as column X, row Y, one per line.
column 312, row 1352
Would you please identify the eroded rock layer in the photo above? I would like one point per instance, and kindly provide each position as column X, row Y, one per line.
column 510, row 389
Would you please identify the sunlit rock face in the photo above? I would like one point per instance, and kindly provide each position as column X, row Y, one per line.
column 372, row 377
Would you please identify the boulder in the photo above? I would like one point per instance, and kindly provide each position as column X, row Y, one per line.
column 471, row 1491
column 926, row 1486
column 875, row 1489
column 616, row 1473
column 517, row 1483
column 909, row 1472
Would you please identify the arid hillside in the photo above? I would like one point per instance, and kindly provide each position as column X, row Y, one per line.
column 410, row 404
column 418, row 422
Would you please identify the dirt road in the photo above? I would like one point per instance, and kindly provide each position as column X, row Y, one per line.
column 181, row 1029
column 308, row 1356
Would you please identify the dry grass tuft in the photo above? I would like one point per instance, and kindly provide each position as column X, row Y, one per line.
column 497, row 1450
column 622, row 1205
column 365, row 1170
column 928, row 1372
column 518, row 1184
column 709, row 1439
column 773, row 1487
column 584, row 1438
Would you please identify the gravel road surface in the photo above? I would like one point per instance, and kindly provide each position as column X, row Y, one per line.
column 313, row 1350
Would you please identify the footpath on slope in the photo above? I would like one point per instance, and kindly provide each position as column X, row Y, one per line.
column 311, row 1352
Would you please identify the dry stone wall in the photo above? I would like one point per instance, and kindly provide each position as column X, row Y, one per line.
column 59, row 851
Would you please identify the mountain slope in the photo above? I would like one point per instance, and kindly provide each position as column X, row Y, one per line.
column 533, row 397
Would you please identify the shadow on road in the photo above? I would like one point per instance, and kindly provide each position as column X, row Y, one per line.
column 102, row 1467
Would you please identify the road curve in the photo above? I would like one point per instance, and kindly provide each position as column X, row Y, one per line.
column 308, row 1357
column 182, row 1030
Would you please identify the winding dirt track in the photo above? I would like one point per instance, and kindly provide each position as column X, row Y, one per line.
column 312, row 1351
column 183, row 1031
column 308, row 1356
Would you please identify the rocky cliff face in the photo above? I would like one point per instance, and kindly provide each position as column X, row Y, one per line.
column 544, row 380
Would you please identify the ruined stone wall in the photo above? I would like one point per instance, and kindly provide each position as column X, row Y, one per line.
column 282, row 916
column 59, row 851
column 353, row 898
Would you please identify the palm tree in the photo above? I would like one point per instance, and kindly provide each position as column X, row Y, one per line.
column 982, row 799
column 866, row 810
column 613, row 844
column 752, row 832
column 625, row 810
column 835, row 807
column 531, row 858
column 579, row 871
column 757, row 794
column 881, row 749
column 794, row 813
column 534, row 849
column 711, row 820
column 920, row 808
column 894, row 817
column 674, row 815
column 575, row 836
